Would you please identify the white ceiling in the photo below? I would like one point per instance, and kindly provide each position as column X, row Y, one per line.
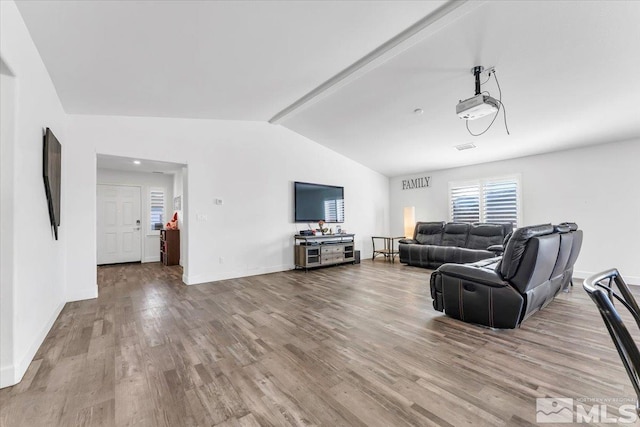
column 568, row 73
column 236, row 60
column 568, row 70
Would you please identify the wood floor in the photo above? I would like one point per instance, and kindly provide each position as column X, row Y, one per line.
column 356, row 345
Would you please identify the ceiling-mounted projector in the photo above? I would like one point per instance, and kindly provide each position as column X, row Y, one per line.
column 476, row 107
column 479, row 105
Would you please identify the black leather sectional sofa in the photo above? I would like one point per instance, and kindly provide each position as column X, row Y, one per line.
column 502, row 292
column 437, row 243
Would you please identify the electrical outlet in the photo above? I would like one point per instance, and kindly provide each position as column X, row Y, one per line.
column 221, row 260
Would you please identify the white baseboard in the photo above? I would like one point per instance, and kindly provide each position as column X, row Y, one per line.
column 12, row 374
column 89, row 293
column 151, row 259
column 214, row 277
column 629, row 280
column 7, row 376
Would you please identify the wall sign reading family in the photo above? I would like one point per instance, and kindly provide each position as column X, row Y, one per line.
column 410, row 184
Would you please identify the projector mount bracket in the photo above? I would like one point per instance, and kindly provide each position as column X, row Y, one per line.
column 476, row 71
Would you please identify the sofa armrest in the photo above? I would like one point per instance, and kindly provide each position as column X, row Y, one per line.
column 476, row 295
column 497, row 249
column 408, row 241
column 473, row 273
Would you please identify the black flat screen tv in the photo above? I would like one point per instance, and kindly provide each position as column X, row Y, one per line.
column 51, row 172
column 315, row 202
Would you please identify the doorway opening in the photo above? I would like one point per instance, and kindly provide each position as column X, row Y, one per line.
column 136, row 198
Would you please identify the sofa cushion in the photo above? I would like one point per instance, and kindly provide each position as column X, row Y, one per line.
column 455, row 234
column 515, row 247
column 429, row 233
column 537, row 262
column 481, row 236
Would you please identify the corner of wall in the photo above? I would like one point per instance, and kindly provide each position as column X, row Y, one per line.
column 83, row 294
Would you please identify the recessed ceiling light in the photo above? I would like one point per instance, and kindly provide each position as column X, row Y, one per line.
column 418, row 111
column 136, row 162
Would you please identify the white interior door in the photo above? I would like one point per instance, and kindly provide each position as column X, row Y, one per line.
column 119, row 223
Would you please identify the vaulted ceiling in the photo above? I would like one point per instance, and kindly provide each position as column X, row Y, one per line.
column 350, row 74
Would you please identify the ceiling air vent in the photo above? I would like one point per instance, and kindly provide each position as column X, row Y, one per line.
column 468, row 146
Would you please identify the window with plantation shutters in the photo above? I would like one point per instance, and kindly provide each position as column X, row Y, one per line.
column 465, row 202
column 495, row 200
column 156, row 208
column 500, row 201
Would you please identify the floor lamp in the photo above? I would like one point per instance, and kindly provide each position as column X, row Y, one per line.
column 409, row 221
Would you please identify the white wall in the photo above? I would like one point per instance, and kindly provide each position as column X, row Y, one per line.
column 37, row 282
column 7, row 141
column 251, row 166
column 146, row 181
column 594, row 186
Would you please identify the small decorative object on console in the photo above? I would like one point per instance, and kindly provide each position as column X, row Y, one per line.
column 173, row 224
column 322, row 229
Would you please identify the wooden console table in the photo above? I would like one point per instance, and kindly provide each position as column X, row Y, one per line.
column 170, row 247
column 319, row 251
column 389, row 249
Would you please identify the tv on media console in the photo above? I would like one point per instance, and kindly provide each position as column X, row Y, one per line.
column 315, row 202
column 51, row 172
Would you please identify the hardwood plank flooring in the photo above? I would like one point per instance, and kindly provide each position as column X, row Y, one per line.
column 353, row 345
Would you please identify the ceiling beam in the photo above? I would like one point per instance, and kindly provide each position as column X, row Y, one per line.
column 430, row 24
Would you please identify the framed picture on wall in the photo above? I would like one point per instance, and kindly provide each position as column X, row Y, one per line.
column 177, row 203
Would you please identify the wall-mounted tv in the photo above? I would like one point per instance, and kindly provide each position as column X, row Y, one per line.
column 315, row 202
column 51, row 171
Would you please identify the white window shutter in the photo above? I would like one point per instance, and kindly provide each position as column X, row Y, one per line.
column 465, row 202
column 500, row 201
column 156, row 209
column 495, row 200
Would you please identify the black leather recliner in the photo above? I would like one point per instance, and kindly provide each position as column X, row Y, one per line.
column 437, row 243
column 502, row 292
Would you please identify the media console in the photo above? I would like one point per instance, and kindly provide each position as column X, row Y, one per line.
column 319, row 251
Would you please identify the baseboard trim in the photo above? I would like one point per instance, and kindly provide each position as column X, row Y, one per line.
column 630, row 280
column 19, row 369
column 214, row 277
column 7, row 376
column 151, row 259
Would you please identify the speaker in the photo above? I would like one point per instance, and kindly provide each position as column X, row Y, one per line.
column 357, row 257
